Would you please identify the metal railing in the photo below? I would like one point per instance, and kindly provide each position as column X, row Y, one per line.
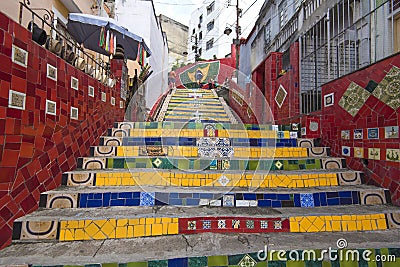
column 64, row 46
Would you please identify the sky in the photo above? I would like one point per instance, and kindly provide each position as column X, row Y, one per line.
column 178, row 10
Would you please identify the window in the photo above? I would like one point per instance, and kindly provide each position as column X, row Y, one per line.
column 210, row 8
column 194, row 31
column 200, row 36
column 200, row 51
column 210, row 44
column 267, row 32
column 282, row 14
column 210, row 26
column 200, row 19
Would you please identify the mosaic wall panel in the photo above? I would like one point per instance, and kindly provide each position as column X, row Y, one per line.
column 388, row 89
column 354, row 98
column 101, row 229
column 248, row 180
column 275, row 200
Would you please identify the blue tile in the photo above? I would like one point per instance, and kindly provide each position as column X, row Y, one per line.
column 296, row 199
column 265, row 203
column 147, row 198
column 356, row 198
column 175, row 201
column 117, row 202
column 114, row 195
column 90, row 196
column 249, row 196
column 94, row 203
column 317, row 203
column 307, row 200
column 270, row 196
column 322, row 198
column 173, row 195
column 333, row 201
column 345, row 194
column 125, row 195
column 283, row 197
column 196, row 195
column 206, row 195
column 192, row 202
column 132, row 202
column 276, row 204
column 106, row 199
column 332, row 194
column 136, row 195
column 160, row 203
column 345, row 201
column 182, row 262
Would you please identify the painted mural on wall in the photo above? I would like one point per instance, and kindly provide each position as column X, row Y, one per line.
column 200, row 73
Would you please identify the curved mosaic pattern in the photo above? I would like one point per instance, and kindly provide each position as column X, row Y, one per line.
column 111, row 141
column 119, row 132
column 38, row 230
column 354, row 98
column 62, row 201
column 333, row 163
column 393, row 220
column 105, row 151
column 350, row 178
column 303, row 142
column 79, row 179
column 388, row 90
column 373, row 197
column 94, row 163
column 318, row 151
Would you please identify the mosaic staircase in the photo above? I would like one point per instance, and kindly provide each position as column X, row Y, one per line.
column 196, row 188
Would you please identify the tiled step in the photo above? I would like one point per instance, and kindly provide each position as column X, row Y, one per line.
column 195, row 164
column 193, row 125
column 228, row 179
column 89, row 197
column 117, row 147
column 205, row 249
column 133, row 222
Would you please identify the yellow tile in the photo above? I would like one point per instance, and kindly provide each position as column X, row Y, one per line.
column 138, row 230
column 336, row 226
column 346, row 217
column 382, row 224
column 351, row 226
column 122, row 222
column 68, row 236
column 133, row 221
column 294, row 226
column 148, row 230
column 98, row 236
column 142, row 221
column 366, row 225
column 121, row 232
column 156, row 229
column 130, row 232
column 72, row 224
column 150, row 220
column 359, row 225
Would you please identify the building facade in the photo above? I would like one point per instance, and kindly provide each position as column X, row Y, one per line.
column 177, row 40
column 207, row 25
column 139, row 17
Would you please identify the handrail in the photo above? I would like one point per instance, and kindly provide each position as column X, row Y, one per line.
column 97, row 70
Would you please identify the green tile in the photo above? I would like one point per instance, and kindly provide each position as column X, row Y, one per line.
column 109, row 265
column 118, row 163
column 326, row 264
column 253, row 164
column 394, row 251
column 312, row 264
column 298, row 264
column 276, row 264
column 261, row 264
column 217, row 260
column 235, row 259
column 197, row 262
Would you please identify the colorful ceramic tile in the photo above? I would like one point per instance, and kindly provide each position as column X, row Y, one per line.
column 392, row 132
column 358, row 152
column 235, row 224
column 249, row 224
column 354, row 98
column 223, row 180
column 263, row 224
column 147, row 199
column 303, row 131
column 19, row 56
column 345, row 134
column 207, row 224
column 392, row 154
column 228, row 200
column 329, row 99
column 358, row 134
column 373, row 133
column 280, row 96
column 191, row 225
column 278, row 225
column 374, row 153
column 388, row 90
column 16, row 100
column 307, row 200
column 346, row 151
column 247, row 261
column 221, row 224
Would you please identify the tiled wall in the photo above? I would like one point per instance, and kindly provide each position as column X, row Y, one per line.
column 362, row 122
column 36, row 147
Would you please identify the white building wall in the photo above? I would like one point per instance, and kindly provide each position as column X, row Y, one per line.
column 223, row 16
column 139, row 17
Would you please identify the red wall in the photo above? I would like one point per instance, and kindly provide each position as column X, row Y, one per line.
column 374, row 113
column 36, row 148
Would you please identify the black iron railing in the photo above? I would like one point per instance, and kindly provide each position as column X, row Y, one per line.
column 63, row 45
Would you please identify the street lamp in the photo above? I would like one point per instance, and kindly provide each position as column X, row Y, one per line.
column 228, row 31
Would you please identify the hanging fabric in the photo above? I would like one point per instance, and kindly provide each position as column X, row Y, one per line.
column 111, row 43
column 108, row 41
column 101, row 39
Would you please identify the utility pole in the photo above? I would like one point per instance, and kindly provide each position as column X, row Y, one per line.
column 237, row 38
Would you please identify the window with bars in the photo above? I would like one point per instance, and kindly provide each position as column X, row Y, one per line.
column 210, row 8
column 210, row 44
column 210, row 25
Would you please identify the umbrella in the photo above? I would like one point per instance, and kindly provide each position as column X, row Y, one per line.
column 86, row 29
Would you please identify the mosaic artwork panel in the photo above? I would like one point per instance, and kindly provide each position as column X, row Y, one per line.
column 388, row 90
column 354, row 98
